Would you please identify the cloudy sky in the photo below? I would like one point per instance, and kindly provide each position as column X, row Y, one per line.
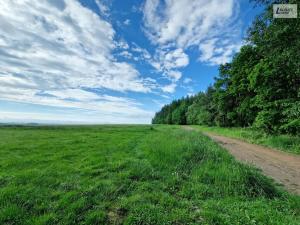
column 111, row 61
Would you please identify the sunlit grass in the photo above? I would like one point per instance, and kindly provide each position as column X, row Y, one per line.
column 131, row 175
column 287, row 143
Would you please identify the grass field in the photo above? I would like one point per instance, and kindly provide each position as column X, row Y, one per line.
column 285, row 143
column 131, row 175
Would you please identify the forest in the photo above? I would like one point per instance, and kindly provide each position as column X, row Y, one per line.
column 259, row 88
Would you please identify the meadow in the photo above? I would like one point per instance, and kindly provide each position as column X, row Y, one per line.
column 131, row 175
column 283, row 142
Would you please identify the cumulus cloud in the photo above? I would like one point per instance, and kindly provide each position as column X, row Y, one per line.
column 51, row 52
column 57, row 47
column 122, row 44
column 170, row 88
column 217, row 52
column 143, row 53
column 184, row 23
column 101, row 107
column 102, row 7
column 175, row 75
column 126, row 54
column 169, row 62
column 187, row 80
column 127, row 22
column 174, row 59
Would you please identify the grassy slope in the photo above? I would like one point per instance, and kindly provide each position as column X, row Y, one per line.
column 285, row 143
column 131, row 175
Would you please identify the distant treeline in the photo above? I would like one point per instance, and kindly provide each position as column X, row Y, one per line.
column 259, row 88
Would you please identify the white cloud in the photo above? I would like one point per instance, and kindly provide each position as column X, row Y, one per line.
column 127, row 22
column 216, row 52
column 126, row 54
column 187, row 80
column 58, row 48
column 77, row 117
column 169, row 61
column 121, row 44
column 170, row 88
column 174, row 75
column 102, row 107
column 174, row 59
column 104, row 10
column 181, row 24
column 50, row 49
column 144, row 54
column 190, row 94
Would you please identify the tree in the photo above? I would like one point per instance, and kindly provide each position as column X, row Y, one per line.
column 260, row 87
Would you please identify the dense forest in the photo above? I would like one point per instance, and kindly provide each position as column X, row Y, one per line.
column 259, row 88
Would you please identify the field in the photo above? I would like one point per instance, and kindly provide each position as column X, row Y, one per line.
column 131, row 175
column 287, row 143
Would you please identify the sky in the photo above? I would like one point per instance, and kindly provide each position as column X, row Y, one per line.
column 111, row 61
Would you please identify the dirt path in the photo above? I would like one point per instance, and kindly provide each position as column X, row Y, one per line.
column 282, row 167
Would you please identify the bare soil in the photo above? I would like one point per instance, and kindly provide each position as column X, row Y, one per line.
column 283, row 167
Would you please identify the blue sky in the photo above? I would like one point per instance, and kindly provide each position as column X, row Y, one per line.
column 119, row 61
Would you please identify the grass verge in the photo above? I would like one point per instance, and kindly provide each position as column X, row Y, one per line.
column 131, row 175
column 285, row 143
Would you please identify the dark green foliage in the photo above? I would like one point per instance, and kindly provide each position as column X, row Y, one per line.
column 131, row 175
column 259, row 88
column 202, row 110
column 175, row 113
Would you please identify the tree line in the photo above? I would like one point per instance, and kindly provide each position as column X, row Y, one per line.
column 260, row 87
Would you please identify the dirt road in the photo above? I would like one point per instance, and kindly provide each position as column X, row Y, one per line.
column 282, row 167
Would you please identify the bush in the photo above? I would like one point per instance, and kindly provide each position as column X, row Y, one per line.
column 292, row 127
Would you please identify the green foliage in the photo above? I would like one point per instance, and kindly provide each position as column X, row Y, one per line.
column 174, row 113
column 131, row 175
column 260, row 87
column 292, row 127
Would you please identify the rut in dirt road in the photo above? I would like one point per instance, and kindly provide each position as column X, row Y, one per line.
column 283, row 167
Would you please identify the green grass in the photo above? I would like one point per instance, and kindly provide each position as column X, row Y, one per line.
column 285, row 143
column 131, row 175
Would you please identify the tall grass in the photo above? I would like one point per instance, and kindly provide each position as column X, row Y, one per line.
column 287, row 143
column 131, row 175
